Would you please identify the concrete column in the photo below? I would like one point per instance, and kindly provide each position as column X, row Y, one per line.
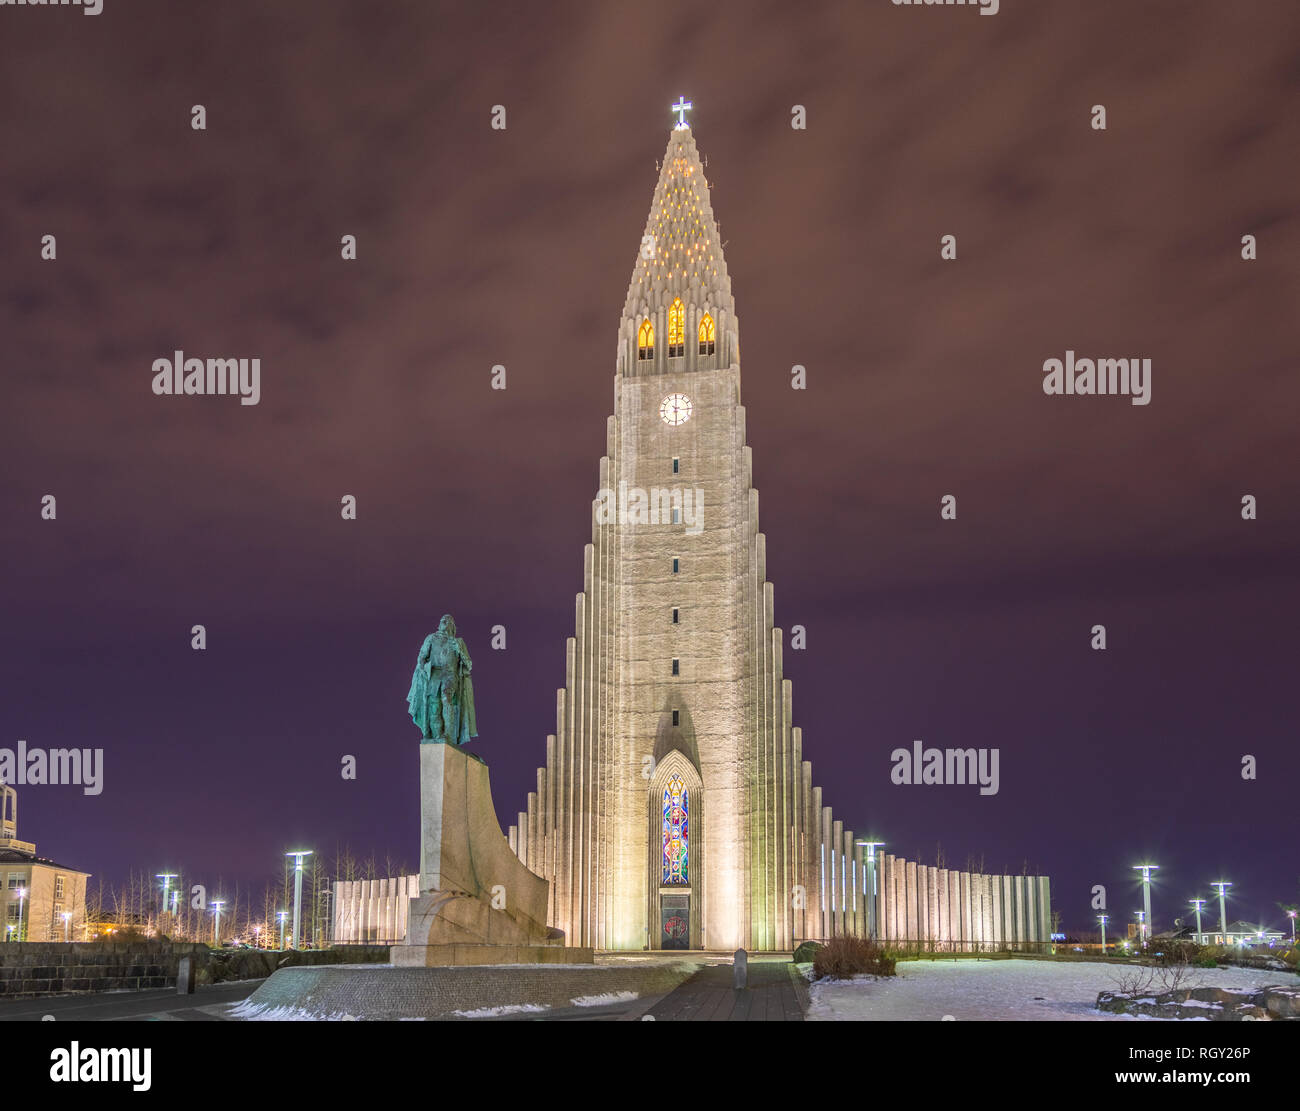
column 943, row 932
column 912, row 927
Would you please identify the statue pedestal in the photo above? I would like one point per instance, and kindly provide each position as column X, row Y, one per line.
column 478, row 904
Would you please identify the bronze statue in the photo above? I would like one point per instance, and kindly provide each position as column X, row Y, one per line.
column 441, row 699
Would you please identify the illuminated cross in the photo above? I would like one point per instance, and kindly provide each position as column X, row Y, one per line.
column 681, row 108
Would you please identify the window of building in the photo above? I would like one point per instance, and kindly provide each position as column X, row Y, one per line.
column 706, row 335
column 675, row 614
column 15, row 878
column 677, row 465
column 677, row 565
column 645, row 341
column 676, row 329
column 676, row 668
column 676, row 834
column 677, row 515
column 676, row 720
column 14, row 910
column 58, row 887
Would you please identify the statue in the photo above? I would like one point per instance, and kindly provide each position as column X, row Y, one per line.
column 441, row 699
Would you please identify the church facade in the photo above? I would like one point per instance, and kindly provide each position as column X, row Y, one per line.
column 675, row 808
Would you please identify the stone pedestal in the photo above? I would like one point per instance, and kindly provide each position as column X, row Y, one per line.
column 478, row 904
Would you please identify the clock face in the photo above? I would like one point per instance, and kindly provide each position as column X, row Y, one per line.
column 675, row 409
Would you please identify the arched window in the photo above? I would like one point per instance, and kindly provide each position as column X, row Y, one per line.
column 676, row 834
column 706, row 334
column 645, row 341
column 676, row 329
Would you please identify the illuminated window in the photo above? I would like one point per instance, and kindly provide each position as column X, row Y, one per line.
column 645, row 341
column 676, row 329
column 676, row 834
column 706, row 334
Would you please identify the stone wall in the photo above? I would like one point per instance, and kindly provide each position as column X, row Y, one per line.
column 52, row 968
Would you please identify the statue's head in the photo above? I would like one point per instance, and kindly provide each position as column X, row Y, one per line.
column 447, row 627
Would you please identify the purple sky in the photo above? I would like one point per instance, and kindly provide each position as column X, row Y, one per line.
column 479, row 247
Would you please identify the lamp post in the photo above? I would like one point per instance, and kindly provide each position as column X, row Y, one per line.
column 1142, row 928
column 871, row 847
column 217, row 904
column 167, row 878
column 1198, row 903
column 67, row 921
column 1146, row 870
column 297, row 894
column 282, row 915
column 1291, row 915
column 1223, row 886
column 1102, row 919
column 22, row 895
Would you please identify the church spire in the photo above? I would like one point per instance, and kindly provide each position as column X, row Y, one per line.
column 679, row 277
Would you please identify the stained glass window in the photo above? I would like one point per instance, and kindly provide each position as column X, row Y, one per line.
column 676, row 329
column 645, row 341
column 676, row 834
column 706, row 335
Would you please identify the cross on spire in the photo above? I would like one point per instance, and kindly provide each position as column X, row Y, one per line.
column 681, row 108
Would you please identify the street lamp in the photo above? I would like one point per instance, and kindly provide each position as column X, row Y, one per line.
column 1291, row 915
column 1142, row 928
column 1102, row 919
column 217, row 904
column 282, row 915
column 1146, row 870
column 1200, row 937
column 1223, row 886
column 167, row 878
column 871, row 847
column 22, row 894
column 297, row 894
column 67, row 921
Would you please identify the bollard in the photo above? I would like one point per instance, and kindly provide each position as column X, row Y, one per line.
column 185, row 976
column 740, row 966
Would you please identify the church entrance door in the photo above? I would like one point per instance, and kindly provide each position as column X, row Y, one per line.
column 675, row 922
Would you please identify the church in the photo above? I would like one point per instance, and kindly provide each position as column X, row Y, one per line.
column 676, row 809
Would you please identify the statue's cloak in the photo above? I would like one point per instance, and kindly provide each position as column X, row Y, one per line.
column 468, row 719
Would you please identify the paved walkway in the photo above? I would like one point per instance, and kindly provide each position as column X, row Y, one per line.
column 773, row 995
column 156, row 1005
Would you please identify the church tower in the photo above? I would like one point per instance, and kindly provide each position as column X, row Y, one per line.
column 675, row 809
column 662, row 816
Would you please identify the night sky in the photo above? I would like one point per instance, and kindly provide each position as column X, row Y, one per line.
column 478, row 247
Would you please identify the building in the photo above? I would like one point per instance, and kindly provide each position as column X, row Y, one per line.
column 372, row 911
column 39, row 899
column 675, row 808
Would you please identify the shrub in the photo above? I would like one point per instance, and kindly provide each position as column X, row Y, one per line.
column 806, row 951
column 843, row 957
column 1178, row 952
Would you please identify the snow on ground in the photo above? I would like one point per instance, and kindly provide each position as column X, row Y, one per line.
column 1004, row 989
column 498, row 1012
column 260, row 1012
column 605, row 999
